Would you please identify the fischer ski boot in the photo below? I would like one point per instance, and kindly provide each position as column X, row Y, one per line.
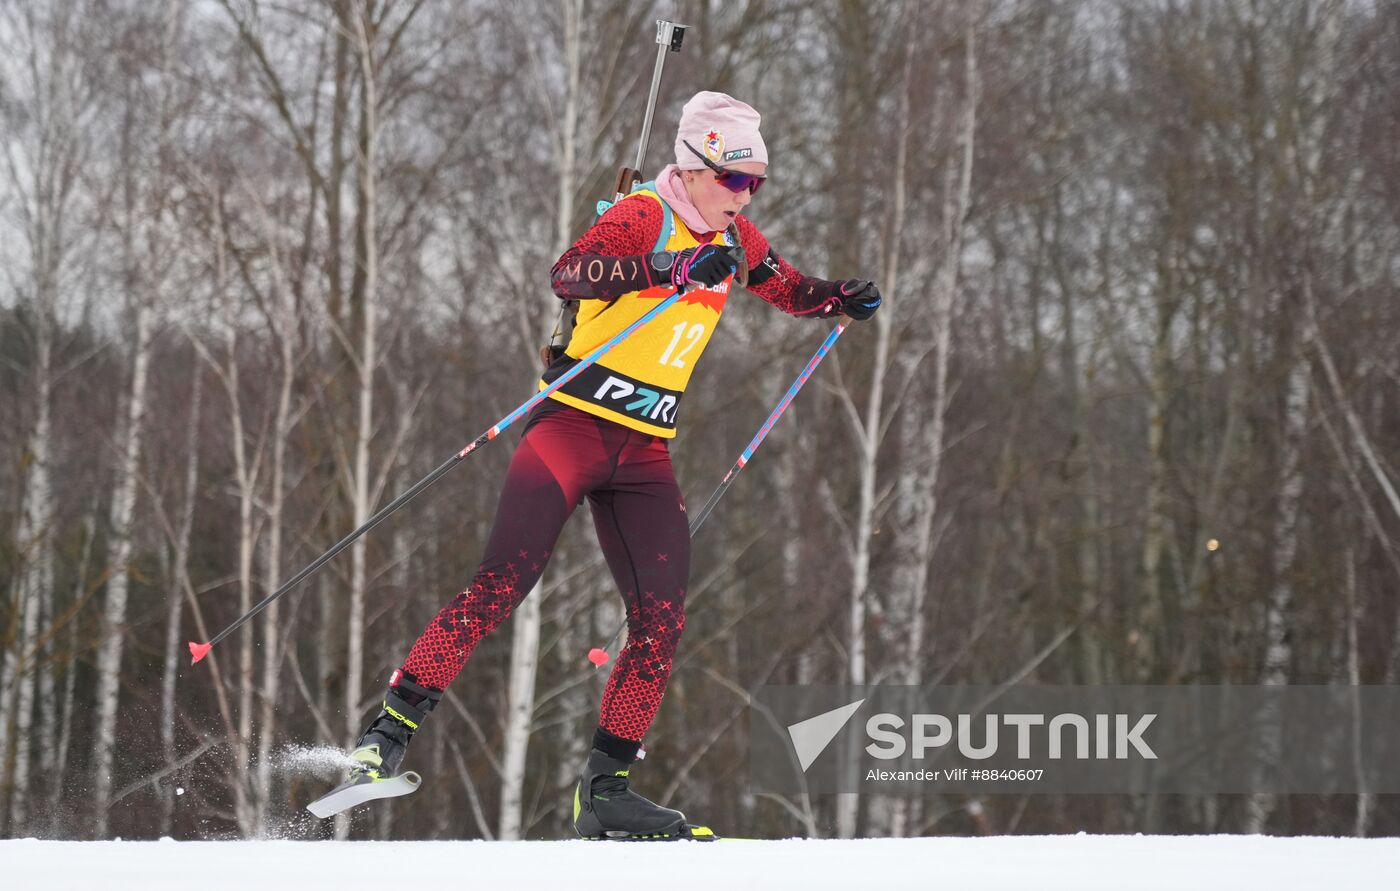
column 380, row 750
column 605, row 808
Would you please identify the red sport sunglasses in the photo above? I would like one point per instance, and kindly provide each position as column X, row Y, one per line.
column 732, row 180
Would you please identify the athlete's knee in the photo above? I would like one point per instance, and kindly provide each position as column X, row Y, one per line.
column 657, row 640
column 492, row 596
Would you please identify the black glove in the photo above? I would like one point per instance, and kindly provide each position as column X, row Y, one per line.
column 859, row 299
column 706, row 264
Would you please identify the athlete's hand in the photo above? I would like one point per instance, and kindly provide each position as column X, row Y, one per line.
column 859, row 299
column 706, row 264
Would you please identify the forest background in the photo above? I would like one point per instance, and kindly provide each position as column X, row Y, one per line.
column 1130, row 414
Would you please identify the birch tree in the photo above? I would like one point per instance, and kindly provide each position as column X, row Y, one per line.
column 119, row 550
column 526, row 619
column 175, row 599
column 43, row 164
column 364, row 294
column 1302, row 163
column 866, row 427
column 923, row 427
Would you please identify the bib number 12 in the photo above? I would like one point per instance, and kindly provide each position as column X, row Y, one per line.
column 691, row 333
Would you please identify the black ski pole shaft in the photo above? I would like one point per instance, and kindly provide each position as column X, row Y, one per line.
column 598, row 655
column 199, row 650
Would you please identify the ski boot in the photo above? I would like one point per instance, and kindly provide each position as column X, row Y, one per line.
column 380, row 750
column 605, row 808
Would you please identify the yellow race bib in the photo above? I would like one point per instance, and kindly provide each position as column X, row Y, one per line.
column 639, row 382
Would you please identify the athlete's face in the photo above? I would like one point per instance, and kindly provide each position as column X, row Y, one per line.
column 717, row 204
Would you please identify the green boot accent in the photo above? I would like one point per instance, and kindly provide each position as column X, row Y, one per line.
column 379, row 752
column 604, row 806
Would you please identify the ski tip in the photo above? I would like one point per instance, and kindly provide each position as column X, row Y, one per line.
column 198, row 651
column 598, row 656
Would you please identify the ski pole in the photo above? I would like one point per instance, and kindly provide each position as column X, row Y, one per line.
column 599, row 655
column 199, row 650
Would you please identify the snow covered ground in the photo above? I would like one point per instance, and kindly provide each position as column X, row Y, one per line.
column 1082, row 863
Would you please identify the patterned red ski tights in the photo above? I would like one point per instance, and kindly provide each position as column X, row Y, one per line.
column 641, row 523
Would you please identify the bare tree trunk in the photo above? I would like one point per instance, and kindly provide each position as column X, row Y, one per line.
column 1365, row 801
column 55, row 757
column 786, row 471
column 283, row 325
column 36, row 579
column 526, row 619
column 112, row 635
column 916, row 487
column 1362, row 442
column 572, row 747
column 912, row 510
column 272, row 642
column 520, row 712
column 47, row 669
column 868, row 436
column 1278, row 653
column 144, row 286
column 174, row 607
column 1081, row 466
column 1149, row 614
column 155, row 257
column 246, row 474
column 1303, row 161
column 37, row 583
column 42, row 165
column 366, row 277
column 567, row 149
column 868, row 433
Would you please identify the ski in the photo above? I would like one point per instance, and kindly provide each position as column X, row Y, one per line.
column 363, row 789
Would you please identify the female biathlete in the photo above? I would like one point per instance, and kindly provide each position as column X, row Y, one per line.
column 604, row 436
